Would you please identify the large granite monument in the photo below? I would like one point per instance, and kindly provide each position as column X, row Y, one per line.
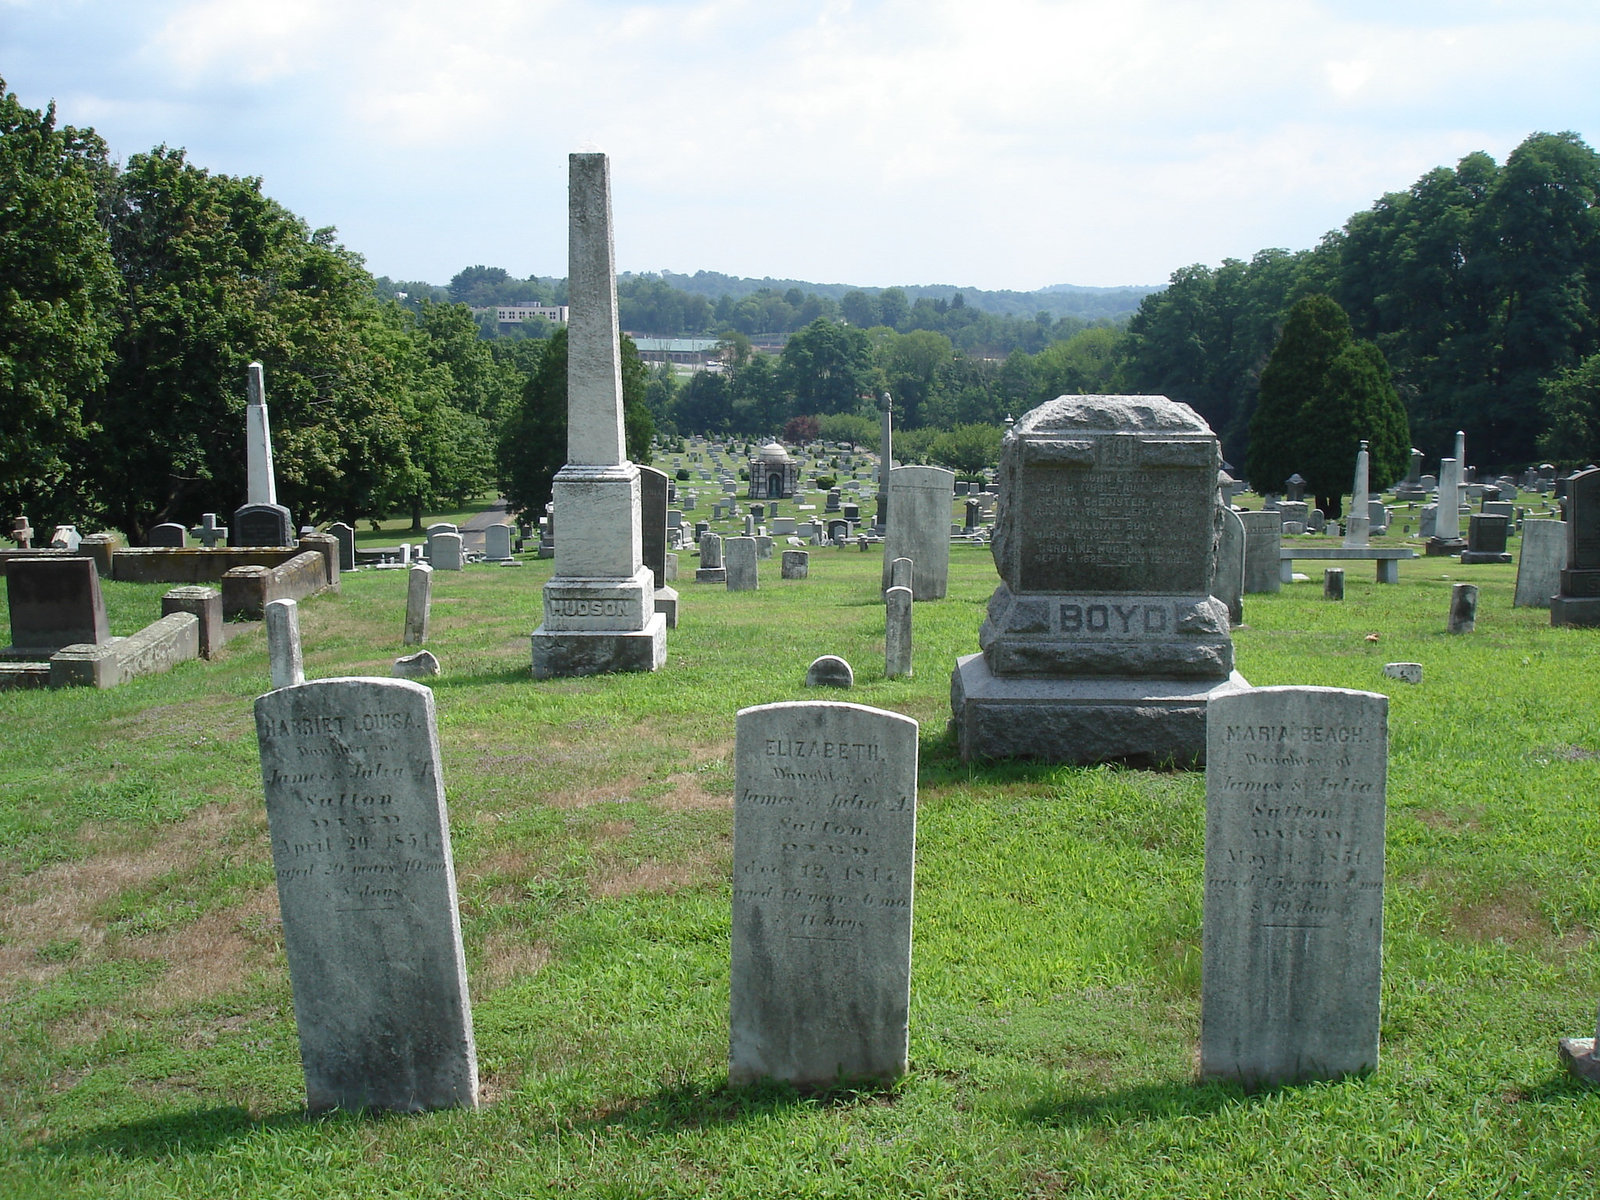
column 1102, row 641
column 599, row 606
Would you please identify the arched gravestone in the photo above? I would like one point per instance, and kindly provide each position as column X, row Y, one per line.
column 1103, row 641
column 824, row 841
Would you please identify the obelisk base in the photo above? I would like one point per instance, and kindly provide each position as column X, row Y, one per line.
column 597, row 626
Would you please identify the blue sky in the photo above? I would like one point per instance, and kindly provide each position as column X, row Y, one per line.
column 986, row 143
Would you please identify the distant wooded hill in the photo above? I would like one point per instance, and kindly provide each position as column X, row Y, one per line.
column 1059, row 300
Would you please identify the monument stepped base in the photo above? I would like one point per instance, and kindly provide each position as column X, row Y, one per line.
column 564, row 652
column 1143, row 722
column 1575, row 611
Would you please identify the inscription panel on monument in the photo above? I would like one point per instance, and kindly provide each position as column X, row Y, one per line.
column 824, row 840
column 1293, row 934
column 361, row 849
column 1129, row 521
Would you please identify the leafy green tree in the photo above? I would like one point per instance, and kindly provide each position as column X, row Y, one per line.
column 968, row 449
column 1571, row 406
column 1089, row 363
column 57, row 292
column 826, row 368
column 1322, row 393
column 912, row 366
column 854, row 428
column 216, row 275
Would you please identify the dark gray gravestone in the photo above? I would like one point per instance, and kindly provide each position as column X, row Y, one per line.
column 345, row 535
column 54, row 602
column 169, row 534
column 1463, row 608
column 1578, row 601
column 653, row 522
column 1228, row 583
column 1486, row 539
column 824, row 840
column 739, row 560
column 361, row 846
column 261, row 525
column 1292, row 955
column 796, row 564
column 830, row 671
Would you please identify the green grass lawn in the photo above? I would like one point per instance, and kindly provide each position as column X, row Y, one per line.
column 147, row 1039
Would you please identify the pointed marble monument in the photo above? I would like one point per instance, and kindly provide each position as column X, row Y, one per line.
column 262, row 521
column 1356, row 528
column 599, row 606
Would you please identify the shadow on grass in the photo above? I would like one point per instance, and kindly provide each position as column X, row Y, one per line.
column 518, row 674
column 1149, row 1102
column 198, row 1131
column 696, row 1105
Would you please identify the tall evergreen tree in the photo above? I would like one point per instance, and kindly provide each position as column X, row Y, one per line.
column 1322, row 393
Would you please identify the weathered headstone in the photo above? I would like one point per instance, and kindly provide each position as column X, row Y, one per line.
column 897, row 632
column 1227, row 585
column 1102, row 641
column 54, row 602
column 283, row 643
column 419, row 603
column 261, row 525
column 1428, row 521
column 1292, row 954
column 599, row 606
column 796, row 564
column 902, row 573
column 1577, row 602
column 739, row 557
column 1463, row 608
column 1405, row 672
column 421, row 665
column 1263, row 545
column 1333, row 583
column 711, row 569
column 1543, row 554
column 367, row 891
column 345, row 535
column 824, row 842
column 169, row 534
column 1486, row 540
column 205, row 604
column 497, row 543
column 22, row 533
column 920, row 499
column 444, row 551
column 830, row 670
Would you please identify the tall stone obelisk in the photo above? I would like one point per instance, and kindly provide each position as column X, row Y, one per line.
column 599, row 607
column 1357, row 526
column 261, row 520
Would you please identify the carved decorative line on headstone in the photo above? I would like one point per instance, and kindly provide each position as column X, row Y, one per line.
column 824, row 841
column 1293, row 934
column 367, row 889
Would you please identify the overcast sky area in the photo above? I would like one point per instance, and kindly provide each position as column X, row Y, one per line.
column 992, row 144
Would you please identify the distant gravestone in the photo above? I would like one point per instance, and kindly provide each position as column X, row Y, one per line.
column 421, row 665
column 205, row 604
column 1463, row 608
column 1486, row 539
column 367, row 891
column 444, row 551
column 1227, row 584
column 54, row 602
column 1544, row 553
column 1577, row 601
column 897, row 632
column 1263, row 543
column 830, row 671
column 824, row 842
column 419, row 603
column 920, row 500
column 169, row 534
column 1293, row 924
column 345, row 535
column 497, row 543
column 796, row 564
column 261, row 525
column 711, row 569
column 739, row 559
column 282, row 618
column 1427, row 520
column 1333, row 583
column 1405, row 672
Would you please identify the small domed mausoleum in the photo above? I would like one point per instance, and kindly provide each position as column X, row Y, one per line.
column 773, row 474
